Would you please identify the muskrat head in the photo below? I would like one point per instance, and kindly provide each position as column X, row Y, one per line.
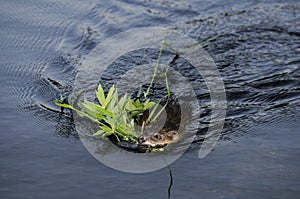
column 159, row 139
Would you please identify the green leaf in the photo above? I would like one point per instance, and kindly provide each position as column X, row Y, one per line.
column 130, row 105
column 98, row 133
column 138, row 104
column 132, row 123
column 124, row 118
column 122, row 132
column 122, row 103
column 91, row 111
column 61, row 104
column 100, row 95
column 148, row 104
column 109, row 95
column 126, row 131
column 114, row 99
column 108, row 134
column 98, row 110
column 112, row 122
column 106, row 129
column 137, row 108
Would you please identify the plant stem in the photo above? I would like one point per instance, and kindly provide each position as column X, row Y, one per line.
column 155, row 71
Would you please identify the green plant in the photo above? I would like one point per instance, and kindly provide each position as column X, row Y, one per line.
column 118, row 117
column 114, row 115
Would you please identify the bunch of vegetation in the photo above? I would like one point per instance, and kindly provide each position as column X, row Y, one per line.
column 116, row 116
column 119, row 117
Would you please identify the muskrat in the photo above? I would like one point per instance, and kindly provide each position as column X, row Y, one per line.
column 155, row 137
column 159, row 139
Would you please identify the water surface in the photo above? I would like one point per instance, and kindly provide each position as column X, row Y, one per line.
column 42, row 46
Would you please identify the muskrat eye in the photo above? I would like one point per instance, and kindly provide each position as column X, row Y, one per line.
column 157, row 136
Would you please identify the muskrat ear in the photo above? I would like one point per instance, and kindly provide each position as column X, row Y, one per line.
column 172, row 133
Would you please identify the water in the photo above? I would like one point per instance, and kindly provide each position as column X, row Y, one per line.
column 257, row 52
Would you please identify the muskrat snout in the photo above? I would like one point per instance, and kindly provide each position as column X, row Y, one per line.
column 159, row 139
column 141, row 139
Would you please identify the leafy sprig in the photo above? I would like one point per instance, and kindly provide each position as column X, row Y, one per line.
column 115, row 116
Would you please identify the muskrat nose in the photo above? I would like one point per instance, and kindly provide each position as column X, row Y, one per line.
column 141, row 139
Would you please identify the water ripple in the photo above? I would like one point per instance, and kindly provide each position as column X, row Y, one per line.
column 256, row 52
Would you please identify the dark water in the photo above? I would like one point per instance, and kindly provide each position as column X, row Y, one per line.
column 43, row 44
